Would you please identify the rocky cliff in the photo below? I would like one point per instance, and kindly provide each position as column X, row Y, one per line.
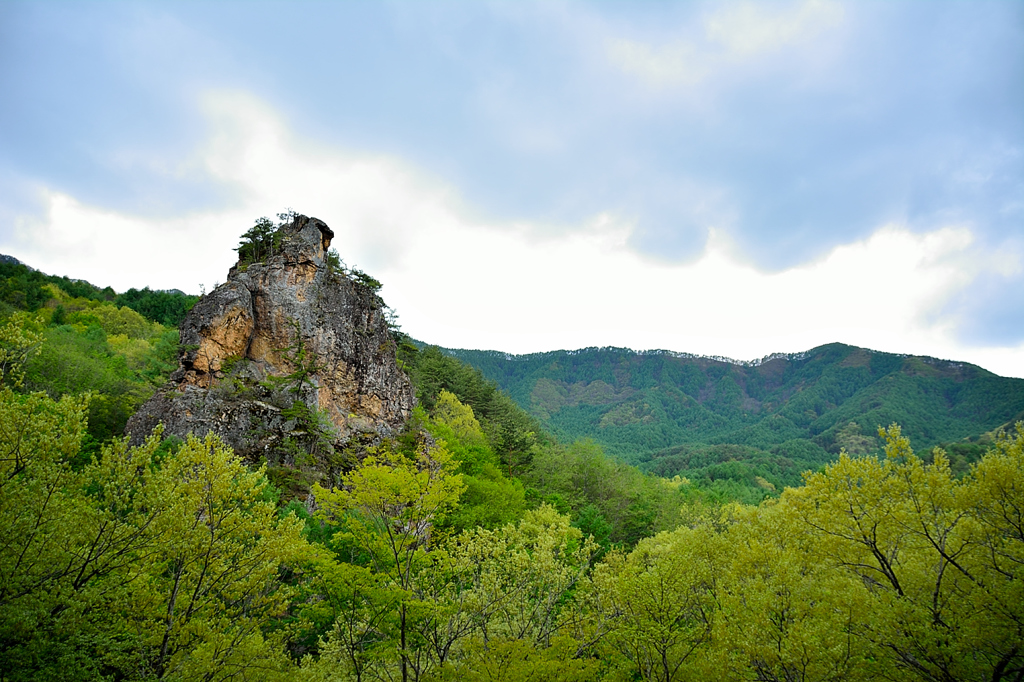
column 290, row 361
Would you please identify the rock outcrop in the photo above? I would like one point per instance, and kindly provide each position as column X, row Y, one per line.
column 290, row 361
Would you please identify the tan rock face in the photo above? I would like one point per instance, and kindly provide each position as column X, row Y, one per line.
column 227, row 337
column 275, row 334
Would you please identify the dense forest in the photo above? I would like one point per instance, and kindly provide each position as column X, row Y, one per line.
column 483, row 543
column 23, row 288
column 85, row 340
column 712, row 419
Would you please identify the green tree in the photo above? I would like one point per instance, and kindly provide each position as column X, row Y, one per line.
column 213, row 587
column 386, row 508
column 520, row 661
column 167, row 308
column 490, row 499
column 259, row 242
column 522, row 575
column 46, row 530
column 144, row 563
column 498, row 603
column 659, row 605
column 357, row 609
column 781, row 613
column 18, row 343
column 939, row 558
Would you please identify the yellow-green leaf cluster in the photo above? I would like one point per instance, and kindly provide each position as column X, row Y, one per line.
column 145, row 563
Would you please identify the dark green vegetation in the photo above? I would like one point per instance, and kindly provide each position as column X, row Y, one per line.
column 22, row 288
column 261, row 240
column 515, row 459
column 753, row 427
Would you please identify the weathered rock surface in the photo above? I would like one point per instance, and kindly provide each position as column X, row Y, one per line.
column 287, row 361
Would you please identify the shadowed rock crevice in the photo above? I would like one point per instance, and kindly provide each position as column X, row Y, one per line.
column 289, row 361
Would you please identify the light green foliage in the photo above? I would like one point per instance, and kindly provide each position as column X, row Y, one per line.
column 521, row 575
column 41, row 518
column 941, row 558
column 781, row 613
column 388, row 504
column 112, row 353
column 385, row 509
column 658, row 605
column 995, row 497
column 632, row 504
column 18, row 343
column 889, row 569
column 358, row 611
column 216, row 579
column 165, row 562
column 143, row 564
column 459, row 421
column 570, row 478
column 490, row 499
column 519, row 661
column 499, row 602
column 483, row 600
column 125, row 322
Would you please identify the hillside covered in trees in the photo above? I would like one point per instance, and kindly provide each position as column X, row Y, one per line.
column 706, row 418
column 116, row 347
column 485, row 542
column 23, row 288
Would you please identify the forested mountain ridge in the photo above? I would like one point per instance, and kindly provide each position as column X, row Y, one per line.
column 675, row 413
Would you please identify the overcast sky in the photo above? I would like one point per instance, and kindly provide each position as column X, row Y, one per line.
column 720, row 178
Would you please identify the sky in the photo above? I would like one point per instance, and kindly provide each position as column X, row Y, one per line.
column 720, row 178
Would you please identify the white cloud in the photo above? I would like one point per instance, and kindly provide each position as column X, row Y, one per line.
column 750, row 28
column 121, row 250
column 737, row 33
column 461, row 281
column 677, row 63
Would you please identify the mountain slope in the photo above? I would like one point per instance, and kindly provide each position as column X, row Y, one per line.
column 802, row 407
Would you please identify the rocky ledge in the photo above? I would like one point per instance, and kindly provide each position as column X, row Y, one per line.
column 290, row 361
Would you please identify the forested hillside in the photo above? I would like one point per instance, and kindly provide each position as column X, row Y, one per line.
column 116, row 347
column 23, row 288
column 673, row 413
column 475, row 544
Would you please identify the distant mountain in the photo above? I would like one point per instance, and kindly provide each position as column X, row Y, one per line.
column 679, row 413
